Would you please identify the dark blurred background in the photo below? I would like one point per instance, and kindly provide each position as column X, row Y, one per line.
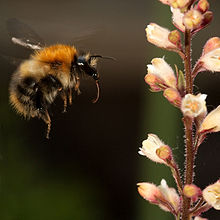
column 89, row 167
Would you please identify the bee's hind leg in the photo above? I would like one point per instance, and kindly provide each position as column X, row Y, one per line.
column 47, row 120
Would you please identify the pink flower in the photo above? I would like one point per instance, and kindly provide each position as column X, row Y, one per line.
column 163, row 73
column 149, row 148
column 170, row 195
column 161, row 195
column 212, row 44
column 211, row 194
column 211, row 60
column 211, row 123
column 158, row 36
column 192, row 19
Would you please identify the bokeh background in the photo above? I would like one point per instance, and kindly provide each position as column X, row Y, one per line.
column 89, row 167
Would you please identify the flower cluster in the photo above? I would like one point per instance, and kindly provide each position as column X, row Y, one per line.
column 189, row 17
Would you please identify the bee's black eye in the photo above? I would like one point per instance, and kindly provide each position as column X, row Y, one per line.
column 95, row 76
column 81, row 61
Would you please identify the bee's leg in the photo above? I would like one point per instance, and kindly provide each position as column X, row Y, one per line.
column 70, row 96
column 47, row 120
column 77, row 85
column 64, row 97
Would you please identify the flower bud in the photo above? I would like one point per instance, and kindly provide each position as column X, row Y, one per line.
column 158, row 36
column 149, row 148
column 192, row 19
column 192, row 191
column 173, row 96
column 149, row 192
column 203, row 6
column 164, row 152
column 175, row 38
column 179, row 3
column 211, row 194
column 207, row 18
column 211, row 123
column 181, row 84
column 193, row 106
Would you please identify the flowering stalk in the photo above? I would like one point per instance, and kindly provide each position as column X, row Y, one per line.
column 189, row 16
column 188, row 122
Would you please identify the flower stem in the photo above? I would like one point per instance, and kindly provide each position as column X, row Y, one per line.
column 187, row 62
column 188, row 122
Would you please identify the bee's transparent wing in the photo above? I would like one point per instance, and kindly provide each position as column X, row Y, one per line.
column 23, row 35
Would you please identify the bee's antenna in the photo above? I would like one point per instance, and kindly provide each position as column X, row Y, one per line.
column 98, row 92
column 100, row 56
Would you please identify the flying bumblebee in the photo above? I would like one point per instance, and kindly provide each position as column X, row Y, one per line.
column 50, row 72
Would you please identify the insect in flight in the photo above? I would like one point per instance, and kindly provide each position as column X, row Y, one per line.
column 51, row 71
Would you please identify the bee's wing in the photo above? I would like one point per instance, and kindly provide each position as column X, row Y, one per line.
column 23, row 35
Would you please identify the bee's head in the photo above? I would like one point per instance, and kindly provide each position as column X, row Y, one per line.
column 87, row 64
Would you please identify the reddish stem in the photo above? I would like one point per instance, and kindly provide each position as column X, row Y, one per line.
column 188, row 122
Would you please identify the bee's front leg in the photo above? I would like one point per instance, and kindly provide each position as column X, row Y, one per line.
column 64, row 97
column 76, row 88
column 70, row 96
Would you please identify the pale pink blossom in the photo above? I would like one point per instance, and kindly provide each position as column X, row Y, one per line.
column 160, row 195
column 158, row 36
column 211, row 123
column 212, row 44
column 211, row 194
column 194, row 105
column 170, row 195
column 211, row 60
column 177, row 17
column 150, row 146
column 162, row 70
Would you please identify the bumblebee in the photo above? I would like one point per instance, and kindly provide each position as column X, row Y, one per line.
column 49, row 72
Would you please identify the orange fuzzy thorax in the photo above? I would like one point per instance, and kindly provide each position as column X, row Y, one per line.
column 56, row 53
